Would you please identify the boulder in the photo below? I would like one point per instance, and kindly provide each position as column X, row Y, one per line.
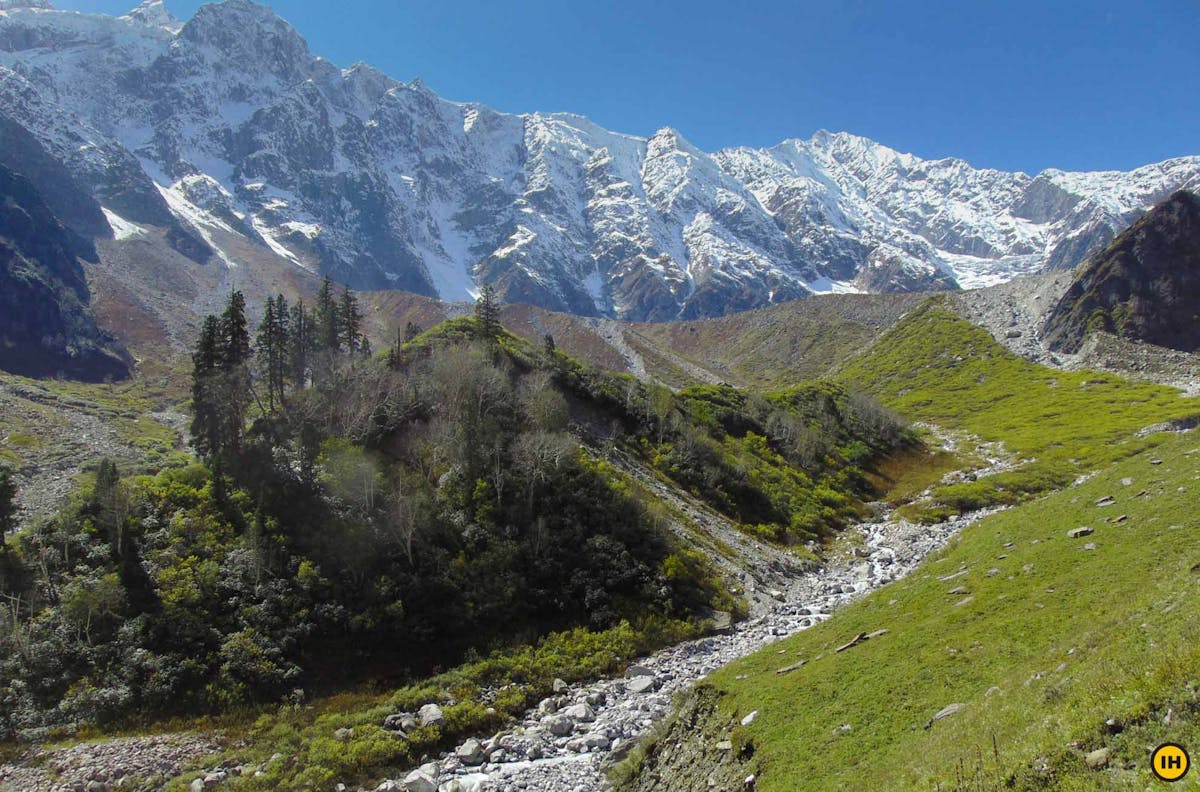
column 431, row 715
column 558, row 725
column 638, row 671
column 580, row 712
column 560, row 686
column 641, row 684
column 722, row 622
column 471, row 753
column 1076, row 533
column 596, row 741
column 416, row 781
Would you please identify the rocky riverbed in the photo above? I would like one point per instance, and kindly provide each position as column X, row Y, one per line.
column 569, row 740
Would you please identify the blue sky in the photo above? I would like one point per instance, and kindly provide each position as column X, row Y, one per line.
column 1012, row 85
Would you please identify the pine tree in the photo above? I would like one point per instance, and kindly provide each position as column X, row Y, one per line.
column 487, row 312
column 206, row 406
column 235, row 338
column 301, row 343
column 272, row 349
column 235, row 385
column 327, row 317
column 349, row 321
column 548, row 345
column 221, row 384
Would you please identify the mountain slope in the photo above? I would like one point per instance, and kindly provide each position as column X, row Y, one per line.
column 45, row 324
column 229, row 125
column 1049, row 646
column 1144, row 286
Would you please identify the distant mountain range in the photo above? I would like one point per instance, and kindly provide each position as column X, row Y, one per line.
column 228, row 126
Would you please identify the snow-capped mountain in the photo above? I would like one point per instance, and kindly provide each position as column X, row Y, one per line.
column 228, row 126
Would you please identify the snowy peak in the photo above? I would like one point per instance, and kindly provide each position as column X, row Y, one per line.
column 243, row 34
column 229, row 132
column 12, row 5
column 154, row 14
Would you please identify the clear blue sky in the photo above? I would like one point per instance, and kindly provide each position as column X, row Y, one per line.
column 1014, row 85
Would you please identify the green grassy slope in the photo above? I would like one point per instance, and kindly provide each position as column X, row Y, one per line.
column 1043, row 640
column 935, row 366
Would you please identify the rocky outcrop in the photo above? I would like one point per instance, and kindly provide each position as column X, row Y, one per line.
column 1145, row 286
column 46, row 327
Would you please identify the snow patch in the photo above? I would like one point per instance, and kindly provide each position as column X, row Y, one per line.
column 122, row 228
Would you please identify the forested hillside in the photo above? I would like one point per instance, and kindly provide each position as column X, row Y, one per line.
column 355, row 516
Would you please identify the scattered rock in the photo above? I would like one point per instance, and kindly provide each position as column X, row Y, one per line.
column 1075, row 533
column 560, row 686
column 722, row 622
column 1127, row 482
column 790, row 668
column 431, row 715
column 471, row 753
column 1090, row 546
column 558, row 725
column 416, row 781
column 642, row 684
column 637, row 671
column 753, row 716
column 1098, row 758
column 1107, row 500
column 580, row 712
column 945, row 712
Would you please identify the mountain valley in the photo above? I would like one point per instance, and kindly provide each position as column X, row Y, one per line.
column 352, row 438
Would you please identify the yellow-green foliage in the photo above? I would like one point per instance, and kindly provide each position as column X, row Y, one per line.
column 935, row 366
column 1043, row 640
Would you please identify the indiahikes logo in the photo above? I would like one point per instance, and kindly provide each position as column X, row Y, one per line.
column 1170, row 762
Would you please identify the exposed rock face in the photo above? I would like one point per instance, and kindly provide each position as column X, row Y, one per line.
column 45, row 325
column 1145, row 286
column 228, row 124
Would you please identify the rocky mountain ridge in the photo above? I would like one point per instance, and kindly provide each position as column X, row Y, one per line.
column 1145, row 286
column 228, row 124
column 46, row 327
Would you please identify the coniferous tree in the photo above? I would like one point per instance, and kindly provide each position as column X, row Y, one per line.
column 548, row 344
column 411, row 331
column 327, row 317
column 349, row 318
column 487, row 312
column 272, row 349
column 235, row 336
column 301, row 342
column 221, row 384
column 206, row 398
column 235, row 356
